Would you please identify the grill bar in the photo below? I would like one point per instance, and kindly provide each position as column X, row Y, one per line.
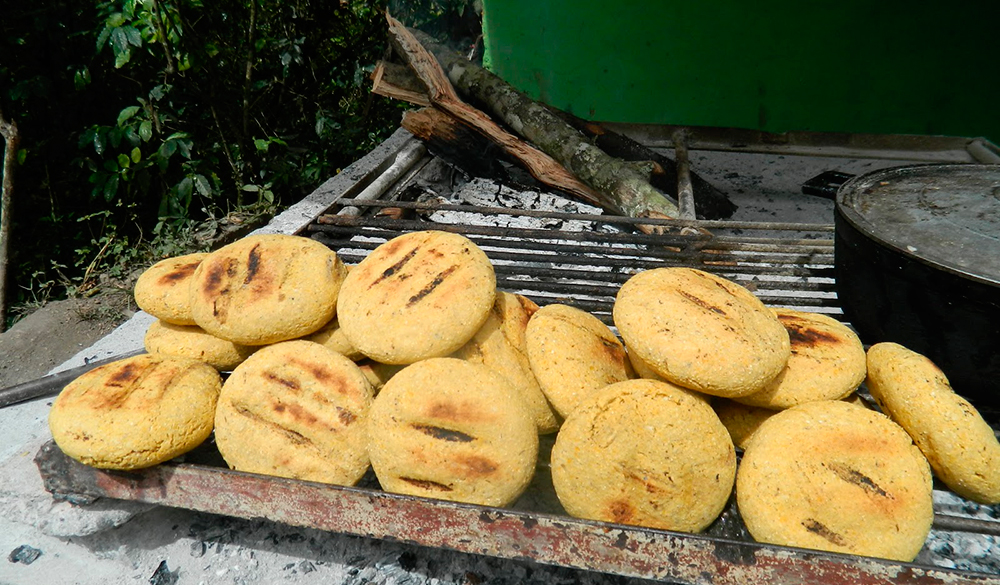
column 787, row 264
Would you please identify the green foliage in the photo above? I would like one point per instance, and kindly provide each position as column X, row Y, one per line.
column 144, row 118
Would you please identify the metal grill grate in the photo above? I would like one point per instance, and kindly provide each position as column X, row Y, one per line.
column 784, row 264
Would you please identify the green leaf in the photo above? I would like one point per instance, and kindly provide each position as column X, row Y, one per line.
column 168, row 148
column 111, row 188
column 133, row 36
column 136, row 155
column 261, row 144
column 102, row 39
column 251, row 188
column 98, row 142
column 122, row 58
column 124, row 161
column 124, row 115
column 119, row 41
column 146, row 130
column 22, row 154
column 201, row 183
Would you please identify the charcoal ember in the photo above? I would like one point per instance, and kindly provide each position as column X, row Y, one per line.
column 163, row 575
column 24, row 554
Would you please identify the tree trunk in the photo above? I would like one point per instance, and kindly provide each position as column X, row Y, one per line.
column 12, row 139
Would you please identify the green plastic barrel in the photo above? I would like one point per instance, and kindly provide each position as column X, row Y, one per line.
column 848, row 66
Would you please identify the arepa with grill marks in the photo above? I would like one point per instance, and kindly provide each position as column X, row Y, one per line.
column 420, row 295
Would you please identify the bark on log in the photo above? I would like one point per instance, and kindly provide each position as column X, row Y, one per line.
column 709, row 201
column 12, row 139
column 610, row 183
column 625, row 184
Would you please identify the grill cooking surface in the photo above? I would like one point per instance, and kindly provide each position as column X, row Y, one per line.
column 554, row 250
column 784, row 264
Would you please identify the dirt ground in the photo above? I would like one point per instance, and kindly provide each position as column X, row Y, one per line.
column 56, row 332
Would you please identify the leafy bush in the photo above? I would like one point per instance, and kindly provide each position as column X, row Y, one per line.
column 143, row 118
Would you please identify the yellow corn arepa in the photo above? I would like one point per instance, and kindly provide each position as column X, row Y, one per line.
column 961, row 447
column 741, row 420
column 701, row 331
column 136, row 412
column 164, row 289
column 573, row 355
column 827, row 362
column 331, row 336
column 266, row 288
column 419, row 295
column 501, row 345
column 448, row 429
column 295, row 409
column 833, row 476
column 193, row 342
column 646, row 453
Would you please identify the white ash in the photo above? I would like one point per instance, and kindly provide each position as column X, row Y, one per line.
column 962, row 550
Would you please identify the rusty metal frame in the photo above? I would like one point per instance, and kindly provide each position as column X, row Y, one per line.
column 504, row 533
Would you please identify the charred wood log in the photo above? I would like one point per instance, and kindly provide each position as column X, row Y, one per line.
column 613, row 184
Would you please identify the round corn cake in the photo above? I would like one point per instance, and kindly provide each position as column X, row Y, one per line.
column 573, row 355
column 419, row 295
column 267, row 288
column 331, row 336
column 827, row 362
column 191, row 341
column 136, row 412
column 646, row 453
column 378, row 373
column 961, row 447
column 164, row 289
column 643, row 370
column 500, row 345
column 833, row 476
column 295, row 409
column 701, row 331
column 448, row 429
column 741, row 420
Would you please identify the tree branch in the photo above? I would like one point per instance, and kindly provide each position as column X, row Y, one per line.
column 12, row 140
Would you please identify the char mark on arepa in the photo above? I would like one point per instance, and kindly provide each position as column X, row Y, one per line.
column 253, row 264
column 286, row 382
column 859, row 479
column 820, row 529
column 702, row 303
column 388, row 272
column 444, row 434
column 179, row 273
column 426, row 484
column 804, row 336
column 431, row 286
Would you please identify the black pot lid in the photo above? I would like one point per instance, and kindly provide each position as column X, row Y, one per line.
column 947, row 216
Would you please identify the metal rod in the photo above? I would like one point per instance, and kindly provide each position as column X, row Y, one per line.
column 53, row 383
column 408, row 155
column 608, row 219
column 965, row 524
column 685, row 190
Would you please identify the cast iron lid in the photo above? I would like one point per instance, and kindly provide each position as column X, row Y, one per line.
column 947, row 216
